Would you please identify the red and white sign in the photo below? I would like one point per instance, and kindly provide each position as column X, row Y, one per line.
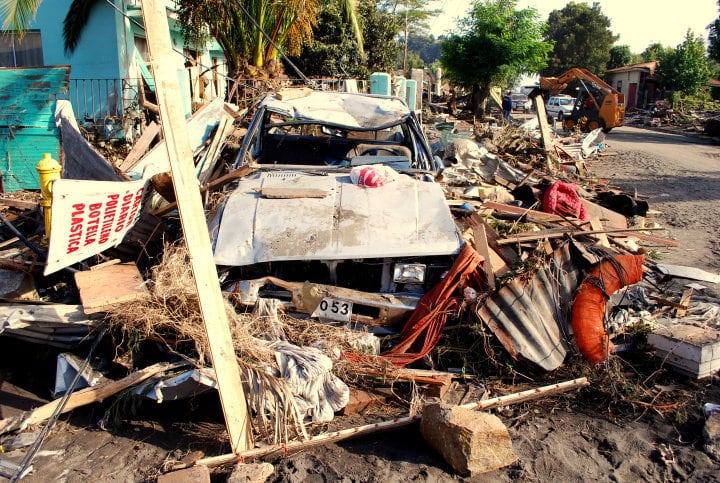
column 89, row 217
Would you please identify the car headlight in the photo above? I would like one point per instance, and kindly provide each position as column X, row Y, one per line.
column 409, row 273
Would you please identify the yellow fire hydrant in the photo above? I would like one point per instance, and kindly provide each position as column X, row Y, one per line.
column 49, row 170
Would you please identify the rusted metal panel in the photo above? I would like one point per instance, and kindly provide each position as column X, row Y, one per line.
column 530, row 317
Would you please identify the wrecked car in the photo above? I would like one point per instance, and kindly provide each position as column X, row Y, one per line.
column 304, row 229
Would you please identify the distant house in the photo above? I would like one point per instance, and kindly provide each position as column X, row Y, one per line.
column 636, row 81
column 108, row 68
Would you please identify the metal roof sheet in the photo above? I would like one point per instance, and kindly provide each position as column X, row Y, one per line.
column 530, row 317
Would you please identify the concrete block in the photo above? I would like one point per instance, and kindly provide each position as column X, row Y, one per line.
column 251, row 473
column 194, row 474
column 692, row 350
column 472, row 442
column 711, row 434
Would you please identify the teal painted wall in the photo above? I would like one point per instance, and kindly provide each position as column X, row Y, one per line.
column 27, row 127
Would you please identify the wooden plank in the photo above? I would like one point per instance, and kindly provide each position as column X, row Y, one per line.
column 610, row 218
column 602, row 238
column 141, row 146
column 108, row 286
column 545, row 134
column 85, row 396
column 287, row 193
column 517, row 210
column 507, row 254
column 223, row 180
column 481, row 245
column 553, row 233
column 209, row 159
column 21, row 204
column 197, row 237
column 685, row 304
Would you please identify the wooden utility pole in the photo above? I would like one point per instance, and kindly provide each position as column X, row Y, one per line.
column 192, row 216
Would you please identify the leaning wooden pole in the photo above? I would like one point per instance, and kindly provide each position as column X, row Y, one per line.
column 192, row 216
column 344, row 434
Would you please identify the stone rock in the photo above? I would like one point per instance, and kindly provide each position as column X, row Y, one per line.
column 711, row 434
column 472, row 442
column 194, row 474
column 251, row 473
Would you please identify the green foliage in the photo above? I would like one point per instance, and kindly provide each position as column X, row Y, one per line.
column 333, row 51
column 620, row 55
column 686, row 68
column 380, row 29
column 18, row 14
column 654, row 52
column 714, row 39
column 496, row 44
column 582, row 38
column 425, row 46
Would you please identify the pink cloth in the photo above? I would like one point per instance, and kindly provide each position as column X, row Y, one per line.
column 563, row 199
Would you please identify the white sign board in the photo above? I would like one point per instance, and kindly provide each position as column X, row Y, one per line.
column 89, row 217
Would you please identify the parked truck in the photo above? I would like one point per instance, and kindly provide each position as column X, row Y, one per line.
column 597, row 104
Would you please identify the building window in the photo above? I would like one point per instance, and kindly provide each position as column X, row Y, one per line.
column 25, row 52
column 619, row 86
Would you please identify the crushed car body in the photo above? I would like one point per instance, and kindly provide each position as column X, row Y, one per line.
column 369, row 250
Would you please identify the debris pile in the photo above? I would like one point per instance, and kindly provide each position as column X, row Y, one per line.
column 557, row 266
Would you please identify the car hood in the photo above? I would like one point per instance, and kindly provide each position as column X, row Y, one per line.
column 279, row 216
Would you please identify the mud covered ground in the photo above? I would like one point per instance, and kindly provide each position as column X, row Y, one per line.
column 596, row 434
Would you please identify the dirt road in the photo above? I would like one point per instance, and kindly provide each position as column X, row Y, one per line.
column 680, row 177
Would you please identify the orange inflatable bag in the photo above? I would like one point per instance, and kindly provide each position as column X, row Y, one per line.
column 588, row 310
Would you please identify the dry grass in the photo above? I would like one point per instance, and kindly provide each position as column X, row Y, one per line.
column 170, row 312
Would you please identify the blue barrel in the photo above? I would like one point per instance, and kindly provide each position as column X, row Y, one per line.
column 380, row 83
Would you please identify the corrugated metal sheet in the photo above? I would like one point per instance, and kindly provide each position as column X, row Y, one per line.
column 530, row 316
column 27, row 128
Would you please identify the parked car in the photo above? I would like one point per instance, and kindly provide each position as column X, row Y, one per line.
column 560, row 106
column 521, row 102
column 300, row 227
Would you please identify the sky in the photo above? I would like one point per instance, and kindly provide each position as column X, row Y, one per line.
column 638, row 22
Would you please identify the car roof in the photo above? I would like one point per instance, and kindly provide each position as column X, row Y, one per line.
column 347, row 109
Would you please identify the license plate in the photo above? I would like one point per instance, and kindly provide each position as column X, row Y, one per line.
column 333, row 309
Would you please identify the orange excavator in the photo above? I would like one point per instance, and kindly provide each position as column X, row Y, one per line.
column 597, row 104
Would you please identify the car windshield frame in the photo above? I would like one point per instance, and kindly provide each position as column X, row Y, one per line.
column 276, row 122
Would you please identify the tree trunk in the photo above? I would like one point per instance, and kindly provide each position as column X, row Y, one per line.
column 477, row 100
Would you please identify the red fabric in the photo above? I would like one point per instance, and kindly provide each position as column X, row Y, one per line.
column 563, row 199
column 588, row 310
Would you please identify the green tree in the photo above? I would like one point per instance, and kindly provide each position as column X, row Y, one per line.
column 497, row 43
column 714, row 39
column 685, row 69
column 333, row 51
column 413, row 16
column 582, row 38
column 426, row 46
column 620, row 55
column 654, row 51
column 380, row 30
